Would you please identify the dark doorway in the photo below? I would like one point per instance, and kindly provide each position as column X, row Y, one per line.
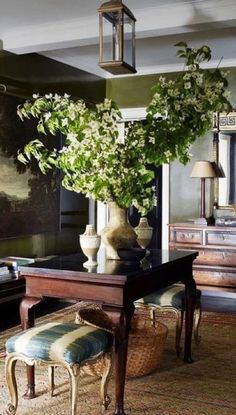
column 155, row 215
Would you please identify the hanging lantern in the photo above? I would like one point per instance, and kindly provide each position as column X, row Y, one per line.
column 116, row 38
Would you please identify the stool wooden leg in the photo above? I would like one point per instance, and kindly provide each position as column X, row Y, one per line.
column 51, row 371
column 153, row 316
column 105, row 399
column 10, row 375
column 74, row 380
column 197, row 320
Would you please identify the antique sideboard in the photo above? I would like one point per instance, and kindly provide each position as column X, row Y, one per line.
column 215, row 265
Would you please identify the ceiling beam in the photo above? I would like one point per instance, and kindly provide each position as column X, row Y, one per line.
column 177, row 18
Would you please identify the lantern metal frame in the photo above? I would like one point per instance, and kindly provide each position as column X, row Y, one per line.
column 116, row 66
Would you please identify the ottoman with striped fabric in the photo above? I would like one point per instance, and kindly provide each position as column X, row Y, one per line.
column 59, row 344
column 173, row 299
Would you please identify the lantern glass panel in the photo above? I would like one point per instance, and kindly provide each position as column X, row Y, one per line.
column 128, row 40
column 111, row 37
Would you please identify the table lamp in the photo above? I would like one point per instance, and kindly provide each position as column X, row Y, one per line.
column 204, row 170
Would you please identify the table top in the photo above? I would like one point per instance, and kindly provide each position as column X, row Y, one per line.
column 107, row 267
column 112, row 283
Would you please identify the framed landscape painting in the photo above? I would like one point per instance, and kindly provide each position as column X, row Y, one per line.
column 29, row 200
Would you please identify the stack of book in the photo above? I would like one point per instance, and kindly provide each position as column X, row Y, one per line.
column 9, row 266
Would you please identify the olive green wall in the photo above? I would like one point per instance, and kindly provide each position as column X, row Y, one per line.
column 131, row 92
column 27, row 74
column 23, row 75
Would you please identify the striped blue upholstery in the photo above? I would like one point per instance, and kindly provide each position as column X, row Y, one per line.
column 62, row 342
column 173, row 299
column 170, row 296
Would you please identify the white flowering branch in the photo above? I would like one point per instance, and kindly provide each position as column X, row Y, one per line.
column 92, row 158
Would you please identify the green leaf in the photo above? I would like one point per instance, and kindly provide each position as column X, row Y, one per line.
column 40, row 128
column 22, row 159
column 180, row 44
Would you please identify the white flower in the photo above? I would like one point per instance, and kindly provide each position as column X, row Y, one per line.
column 47, row 115
column 177, row 106
column 64, row 122
column 187, row 85
column 72, row 137
column 151, row 139
column 187, row 76
column 206, row 49
column 168, row 154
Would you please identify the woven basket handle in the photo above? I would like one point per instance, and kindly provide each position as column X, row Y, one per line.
column 92, row 315
column 150, row 311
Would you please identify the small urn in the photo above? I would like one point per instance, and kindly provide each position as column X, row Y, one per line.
column 144, row 233
column 90, row 242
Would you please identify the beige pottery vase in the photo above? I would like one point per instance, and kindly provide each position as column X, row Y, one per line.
column 90, row 242
column 118, row 233
column 144, row 233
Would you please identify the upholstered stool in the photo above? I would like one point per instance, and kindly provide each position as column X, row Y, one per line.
column 59, row 344
column 173, row 299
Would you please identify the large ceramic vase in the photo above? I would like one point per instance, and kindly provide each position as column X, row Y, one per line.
column 118, row 233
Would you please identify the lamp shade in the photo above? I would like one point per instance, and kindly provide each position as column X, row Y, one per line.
column 203, row 169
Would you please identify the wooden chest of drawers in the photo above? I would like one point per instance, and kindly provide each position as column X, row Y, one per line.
column 216, row 245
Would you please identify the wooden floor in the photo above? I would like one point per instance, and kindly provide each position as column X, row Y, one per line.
column 215, row 301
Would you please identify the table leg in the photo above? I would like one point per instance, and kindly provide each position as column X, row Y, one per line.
column 122, row 321
column 27, row 321
column 190, row 301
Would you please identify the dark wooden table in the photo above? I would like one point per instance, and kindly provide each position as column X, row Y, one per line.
column 115, row 285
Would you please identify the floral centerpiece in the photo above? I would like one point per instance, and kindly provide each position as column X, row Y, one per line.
column 95, row 162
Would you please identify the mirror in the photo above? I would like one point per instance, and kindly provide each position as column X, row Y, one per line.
column 224, row 156
column 227, row 159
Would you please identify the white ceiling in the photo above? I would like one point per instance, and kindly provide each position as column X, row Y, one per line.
column 67, row 31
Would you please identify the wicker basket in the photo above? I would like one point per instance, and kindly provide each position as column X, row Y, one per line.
column 146, row 340
column 146, row 345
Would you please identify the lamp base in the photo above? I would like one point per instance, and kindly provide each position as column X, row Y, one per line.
column 201, row 221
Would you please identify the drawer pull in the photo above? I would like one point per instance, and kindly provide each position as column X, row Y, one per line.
column 187, row 235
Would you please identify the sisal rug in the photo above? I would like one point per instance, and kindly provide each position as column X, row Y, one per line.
column 206, row 387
